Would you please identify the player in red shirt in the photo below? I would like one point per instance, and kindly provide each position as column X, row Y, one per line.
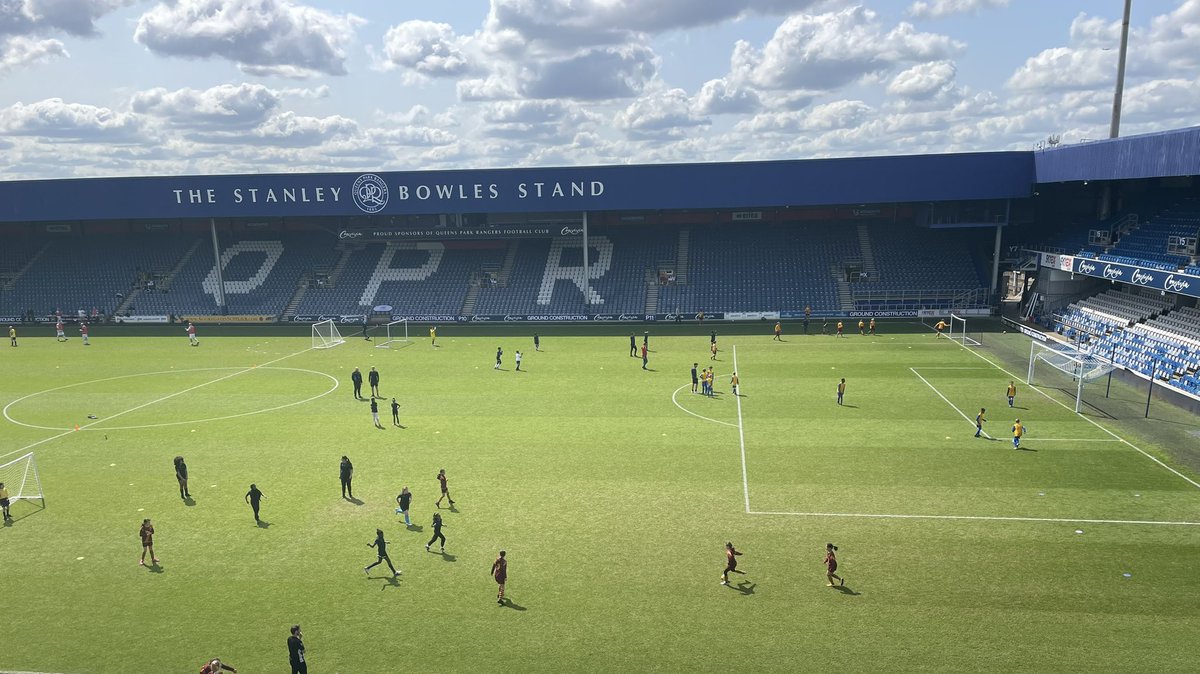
column 831, row 565
column 59, row 331
column 83, row 332
column 191, row 332
column 215, row 666
column 147, row 535
column 500, row 573
column 441, row 476
column 731, row 556
column 644, row 358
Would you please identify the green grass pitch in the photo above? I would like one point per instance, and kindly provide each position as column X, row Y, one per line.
column 613, row 490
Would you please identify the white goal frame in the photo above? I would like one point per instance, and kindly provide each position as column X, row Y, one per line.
column 393, row 331
column 24, row 483
column 325, row 335
column 1079, row 364
column 960, row 335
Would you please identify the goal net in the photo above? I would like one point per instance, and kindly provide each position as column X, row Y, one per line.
column 1067, row 368
column 20, row 479
column 396, row 336
column 959, row 333
column 325, row 335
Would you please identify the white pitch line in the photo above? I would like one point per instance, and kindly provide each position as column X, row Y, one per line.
column 152, row 402
column 1139, row 450
column 698, row 416
column 939, row 393
column 741, row 437
column 986, row 518
column 1030, row 437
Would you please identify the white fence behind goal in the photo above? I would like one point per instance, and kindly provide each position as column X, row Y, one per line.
column 20, row 478
column 397, row 335
column 958, row 332
column 325, row 335
column 1065, row 367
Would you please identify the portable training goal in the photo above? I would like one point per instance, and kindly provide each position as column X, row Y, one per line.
column 20, row 478
column 958, row 332
column 325, row 335
column 396, row 336
column 1065, row 367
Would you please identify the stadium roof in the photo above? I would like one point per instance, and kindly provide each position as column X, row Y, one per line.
column 1152, row 155
column 859, row 180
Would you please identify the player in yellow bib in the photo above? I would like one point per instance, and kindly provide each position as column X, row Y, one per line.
column 1012, row 392
column 941, row 325
column 433, row 336
column 1018, row 431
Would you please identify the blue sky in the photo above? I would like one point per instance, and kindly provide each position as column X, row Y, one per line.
column 129, row 87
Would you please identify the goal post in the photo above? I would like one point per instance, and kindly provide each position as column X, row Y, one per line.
column 958, row 332
column 325, row 335
column 1065, row 367
column 21, row 480
column 396, row 336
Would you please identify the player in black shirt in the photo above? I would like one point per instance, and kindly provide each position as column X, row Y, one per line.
column 437, row 533
column 296, row 651
column 254, row 497
column 181, row 475
column 633, row 346
column 375, row 411
column 396, row 413
column 356, row 377
column 403, row 501
column 346, row 472
column 499, row 355
column 695, row 379
column 373, row 380
column 537, row 343
column 380, row 546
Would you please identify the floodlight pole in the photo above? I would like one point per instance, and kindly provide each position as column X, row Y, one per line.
column 587, row 281
column 1150, row 391
column 1114, row 128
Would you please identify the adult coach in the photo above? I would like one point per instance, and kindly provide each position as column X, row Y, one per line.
column 295, row 645
column 441, row 476
column 254, row 497
column 500, row 574
column 437, row 533
column 695, row 378
column 181, row 475
column 346, row 472
column 373, row 380
column 380, row 546
column 356, row 378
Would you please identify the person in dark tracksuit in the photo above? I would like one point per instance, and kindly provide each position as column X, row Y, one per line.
column 633, row 346
column 373, row 380
column 380, row 546
column 254, row 497
column 296, row 651
column 356, row 377
column 346, row 472
column 396, row 413
column 437, row 533
column 181, row 475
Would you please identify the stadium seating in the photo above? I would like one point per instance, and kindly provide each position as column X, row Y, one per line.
column 765, row 269
column 439, row 289
column 82, row 273
column 259, row 279
column 919, row 268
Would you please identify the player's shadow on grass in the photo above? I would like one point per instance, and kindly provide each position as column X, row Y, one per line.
column 189, row 501
column 745, row 587
column 854, row 407
column 447, row 557
column 416, row 528
column 353, row 500
column 155, row 567
column 847, row 591
column 389, row 581
column 649, row 369
column 1026, row 449
column 509, row 603
column 263, row 524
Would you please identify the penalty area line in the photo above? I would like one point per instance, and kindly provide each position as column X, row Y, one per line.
column 741, row 436
column 982, row 518
column 939, row 394
column 28, row 447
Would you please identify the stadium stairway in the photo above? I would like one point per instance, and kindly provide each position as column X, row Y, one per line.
column 868, row 253
column 652, row 291
column 28, row 263
column 681, row 256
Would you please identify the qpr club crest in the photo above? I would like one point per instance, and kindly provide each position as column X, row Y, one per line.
column 370, row 193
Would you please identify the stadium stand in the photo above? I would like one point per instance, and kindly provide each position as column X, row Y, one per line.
column 919, row 268
column 1144, row 245
column 731, row 270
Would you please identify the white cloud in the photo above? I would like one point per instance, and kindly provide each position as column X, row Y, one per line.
column 55, row 119
column 937, row 9
column 75, row 17
column 721, row 97
column 264, row 37
column 226, row 106
column 593, row 74
column 661, row 114
column 923, row 81
column 822, row 52
column 17, row 52
column 825, row 117
column 425, row 48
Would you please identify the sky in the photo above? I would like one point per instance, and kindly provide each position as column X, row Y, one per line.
column 139, row 87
